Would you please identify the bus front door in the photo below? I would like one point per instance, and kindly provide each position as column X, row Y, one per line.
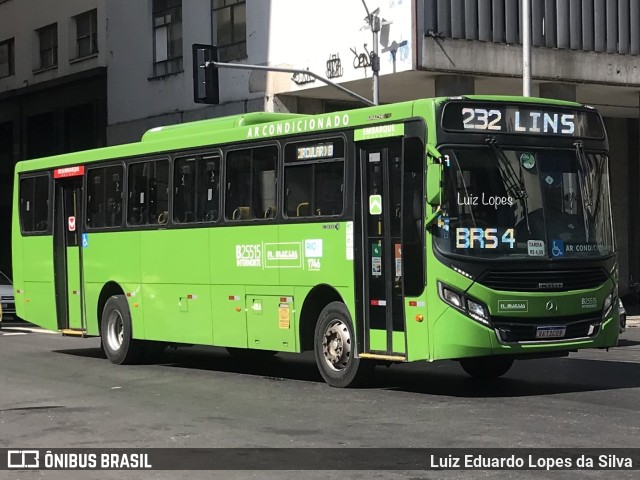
column 381, row 174
column 67, row 255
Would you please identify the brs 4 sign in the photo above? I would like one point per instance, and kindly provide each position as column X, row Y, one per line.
column 484, row 238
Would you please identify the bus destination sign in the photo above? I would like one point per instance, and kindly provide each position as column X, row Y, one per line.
column 473, row 117
column 318, row 150
column 76, row 171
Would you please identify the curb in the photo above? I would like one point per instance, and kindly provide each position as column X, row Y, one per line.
column 633, row 322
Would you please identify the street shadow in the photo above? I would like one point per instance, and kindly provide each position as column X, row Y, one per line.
column 446, row 378
column 526, row 378
column 624, row 342
column 82, row 352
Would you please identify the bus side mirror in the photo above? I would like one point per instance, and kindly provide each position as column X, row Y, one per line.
column 434, row 184
column 205, row 75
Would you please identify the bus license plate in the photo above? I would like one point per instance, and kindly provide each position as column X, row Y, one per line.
column 551, row 332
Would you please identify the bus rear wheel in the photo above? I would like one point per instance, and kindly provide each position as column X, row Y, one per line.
column 487, row 367
column 117, row 333
column 335, row 348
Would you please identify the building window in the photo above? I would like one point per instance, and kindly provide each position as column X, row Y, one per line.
column 230, row 18
column 48, row 37
column 7, row 58
column 86, row 34
column 167, row 37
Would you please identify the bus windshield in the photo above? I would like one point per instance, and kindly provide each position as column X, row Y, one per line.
column 531, row 203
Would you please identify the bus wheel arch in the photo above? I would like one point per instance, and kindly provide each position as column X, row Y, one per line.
column 116, row 329
column 109, row 290
column 317, row 299
column 335, row 348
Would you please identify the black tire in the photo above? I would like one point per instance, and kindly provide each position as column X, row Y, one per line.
column 117, row 333
column 487, row 367
column 335, row 349
column 249, row 354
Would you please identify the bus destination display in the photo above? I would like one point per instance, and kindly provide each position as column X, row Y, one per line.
column 312, row 152
column 521, row 119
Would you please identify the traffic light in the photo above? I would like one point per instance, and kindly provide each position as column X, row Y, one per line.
column 206, row 88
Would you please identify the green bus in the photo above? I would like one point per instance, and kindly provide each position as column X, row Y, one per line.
column 474, row 228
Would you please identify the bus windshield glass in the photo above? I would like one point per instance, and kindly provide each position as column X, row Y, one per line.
column 530, row 204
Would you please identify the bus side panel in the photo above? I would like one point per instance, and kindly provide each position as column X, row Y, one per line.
column 271, row 318
column 238, row 255
column 37, row 275
column 175, row 285
column 17, row 258
column 229, row 316
column 323, row 256
column 111, row 257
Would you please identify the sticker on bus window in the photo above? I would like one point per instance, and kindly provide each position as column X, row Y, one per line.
column 527, row 160
column 535, row 248
column 398, row 257
column 557, row 248
column 375, row 204
column 376, row 266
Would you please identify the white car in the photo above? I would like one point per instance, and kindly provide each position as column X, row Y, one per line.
column 8, row 303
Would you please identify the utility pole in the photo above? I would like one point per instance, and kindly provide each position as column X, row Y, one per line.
column 526, row 48
column 375, row 24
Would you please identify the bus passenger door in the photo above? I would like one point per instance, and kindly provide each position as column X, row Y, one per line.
column 381, row 170
column 67, row 246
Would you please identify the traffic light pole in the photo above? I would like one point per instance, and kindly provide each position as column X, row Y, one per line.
column 242, row 66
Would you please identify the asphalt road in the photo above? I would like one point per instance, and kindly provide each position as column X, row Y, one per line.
column 58, row 392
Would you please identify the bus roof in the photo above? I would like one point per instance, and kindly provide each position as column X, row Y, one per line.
column 235, row 128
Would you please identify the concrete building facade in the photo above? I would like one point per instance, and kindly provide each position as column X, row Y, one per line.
column 140, row 77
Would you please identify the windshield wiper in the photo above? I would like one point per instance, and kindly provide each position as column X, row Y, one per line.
column 514, row 183
column 585, row 187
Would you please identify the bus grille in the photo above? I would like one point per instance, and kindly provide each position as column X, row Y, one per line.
column 519, row 329
column 546, row 281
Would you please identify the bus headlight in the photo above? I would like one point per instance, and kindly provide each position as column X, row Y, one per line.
column 477, row 311
column 451, row 297
column 608, row 303
column 469, row 306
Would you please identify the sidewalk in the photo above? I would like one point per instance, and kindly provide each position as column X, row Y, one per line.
column 633, row 321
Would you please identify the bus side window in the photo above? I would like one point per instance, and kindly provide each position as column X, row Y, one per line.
column 136, row 195
column 208, row 188
column 298, row 190
column 329, row 187
column 238, row 191
column 114, row 196
column 95, row 198
column 184, row 181
column 159, row 192
column 104, row 197
column 264, row 181
column 314, row 178
column 34, row 204
column 251, row 184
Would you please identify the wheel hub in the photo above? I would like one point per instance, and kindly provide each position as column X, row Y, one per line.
column 115, row 331
column 336, row 345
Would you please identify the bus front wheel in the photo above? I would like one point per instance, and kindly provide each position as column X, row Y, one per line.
column 486, row 367
column 117, row 334
column 335, row 348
